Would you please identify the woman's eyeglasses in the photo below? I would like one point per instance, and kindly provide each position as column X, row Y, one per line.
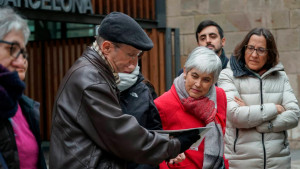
column 15, row 49
column 260, row 51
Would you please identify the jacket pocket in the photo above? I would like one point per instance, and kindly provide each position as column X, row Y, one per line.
column 285, row 140
column 111, row 162
column 235, row 140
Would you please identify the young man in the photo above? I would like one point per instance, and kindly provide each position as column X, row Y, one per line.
column 210, row 34
column 89, row 129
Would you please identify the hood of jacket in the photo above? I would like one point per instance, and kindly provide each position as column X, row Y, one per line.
column 239, row 69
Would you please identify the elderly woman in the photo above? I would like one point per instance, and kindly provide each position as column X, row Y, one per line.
column 19, row 126
column 261, row 105
column 194, row 101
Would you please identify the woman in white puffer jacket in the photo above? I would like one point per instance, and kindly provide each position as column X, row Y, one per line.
column 261, row 105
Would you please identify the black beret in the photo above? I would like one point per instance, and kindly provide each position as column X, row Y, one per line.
column 121, row 28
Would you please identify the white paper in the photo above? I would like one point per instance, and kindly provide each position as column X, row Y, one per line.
column 202, row 132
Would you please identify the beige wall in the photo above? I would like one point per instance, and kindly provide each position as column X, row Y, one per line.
column 238, row 17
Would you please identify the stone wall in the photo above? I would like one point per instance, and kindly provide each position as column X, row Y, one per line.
column 238, row 17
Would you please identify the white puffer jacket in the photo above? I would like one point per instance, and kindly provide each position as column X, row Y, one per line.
column 256, row 136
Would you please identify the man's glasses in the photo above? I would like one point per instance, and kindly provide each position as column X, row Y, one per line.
column 260, row 51
column 15, row 49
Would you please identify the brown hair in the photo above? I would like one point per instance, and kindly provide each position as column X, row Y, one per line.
column 273, row 55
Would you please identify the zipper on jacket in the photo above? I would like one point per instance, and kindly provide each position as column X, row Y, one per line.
column 285, row 138
column 264, row 148
column 263, row 136
column 261, row 95
column 236, row 138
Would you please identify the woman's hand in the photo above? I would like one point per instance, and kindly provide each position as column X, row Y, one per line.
column 280, row 108
column 178, row 159
column 239, row 101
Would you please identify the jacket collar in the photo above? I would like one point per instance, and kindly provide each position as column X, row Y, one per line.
column 223, row 59
column 101, row 64
column 95, row 47
column 239, row 69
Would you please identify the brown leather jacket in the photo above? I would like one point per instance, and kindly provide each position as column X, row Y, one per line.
column 89, row 129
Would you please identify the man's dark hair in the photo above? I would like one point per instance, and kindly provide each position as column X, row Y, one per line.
column 273, row 55
column 207, row 23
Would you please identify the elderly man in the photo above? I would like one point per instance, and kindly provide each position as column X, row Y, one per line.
column 89, row 129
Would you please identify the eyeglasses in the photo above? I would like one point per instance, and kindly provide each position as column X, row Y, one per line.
column 15, row 49
column 260, row 51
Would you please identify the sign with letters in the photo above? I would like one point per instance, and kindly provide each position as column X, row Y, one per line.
column 74, row 6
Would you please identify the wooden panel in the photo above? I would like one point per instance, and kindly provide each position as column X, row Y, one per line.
column 48, row 87
column 145, row 65
column 114, row 5
column 128, row 8
column 100, row 6
column 154, row 61
column 94, row 6
column 107, row 9
column 161, row 66
column 34, row 76
column 152, row 9
column 66, row 55
column 147, row 9
column 134, row 9
column 121, row 6
column 142, row 9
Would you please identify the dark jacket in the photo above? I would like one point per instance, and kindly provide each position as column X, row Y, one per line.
column 138, row 102
column 223, row 59
column 8, row 146
column 89, row 129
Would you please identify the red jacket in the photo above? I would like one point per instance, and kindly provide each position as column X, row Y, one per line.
column 174, row 117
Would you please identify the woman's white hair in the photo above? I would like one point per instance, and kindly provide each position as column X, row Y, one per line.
column 205, row 61
column 10, row 20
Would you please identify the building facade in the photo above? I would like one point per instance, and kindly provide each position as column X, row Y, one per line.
column 237, row 18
